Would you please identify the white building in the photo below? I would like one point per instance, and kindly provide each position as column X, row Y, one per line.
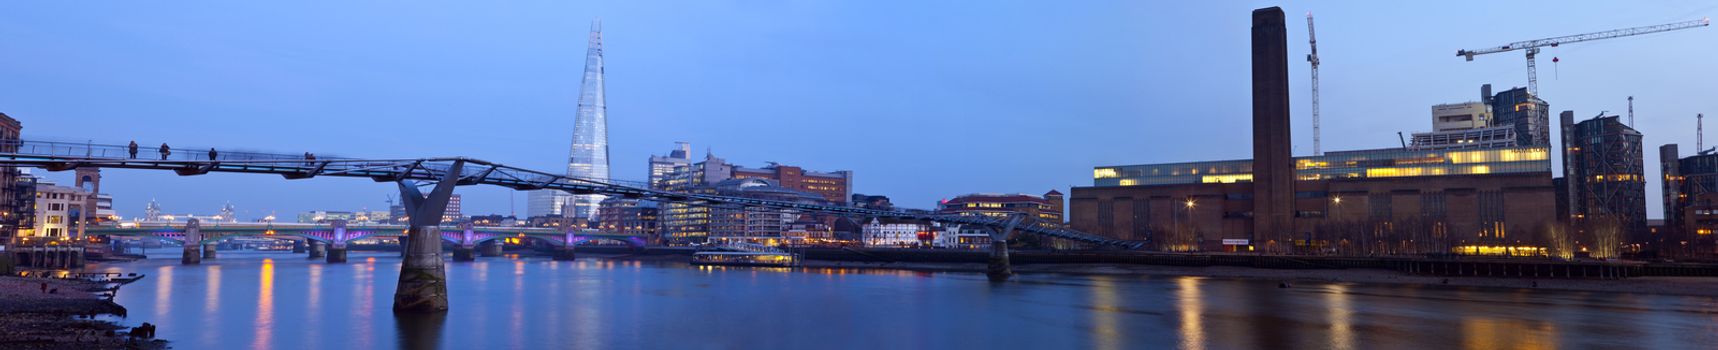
column 58, row 208
column 878, row 234
column 962, row 237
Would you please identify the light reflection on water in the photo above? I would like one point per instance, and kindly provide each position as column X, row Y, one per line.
column 281, row 301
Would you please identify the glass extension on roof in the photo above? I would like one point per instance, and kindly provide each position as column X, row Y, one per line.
column 1377, row 163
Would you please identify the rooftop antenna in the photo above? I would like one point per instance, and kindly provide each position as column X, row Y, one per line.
column 1700, row 132
column 1631, row 111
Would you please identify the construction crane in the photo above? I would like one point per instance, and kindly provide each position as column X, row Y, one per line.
column 1312, row 39
column 1532, row 46
column 1700, row 133
column 1631, row 111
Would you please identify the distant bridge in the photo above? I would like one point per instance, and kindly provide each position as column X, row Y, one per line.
column 327, row 233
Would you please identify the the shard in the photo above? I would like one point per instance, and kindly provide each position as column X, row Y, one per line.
column 588, row 157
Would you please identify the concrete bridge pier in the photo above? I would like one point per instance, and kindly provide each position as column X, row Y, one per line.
column 193, row 235
column 570, row 242
column 298, row 247
column 318, row 250
column 337, row 253
column 563, row 253
column 423, row 275
column 337, row 245
column 209, row 251
column 465, row 250
column 999, row 268
column 489, row 249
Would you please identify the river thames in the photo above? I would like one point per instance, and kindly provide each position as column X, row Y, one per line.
column 284, row 301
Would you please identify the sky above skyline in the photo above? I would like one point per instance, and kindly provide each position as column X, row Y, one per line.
column 923, row 101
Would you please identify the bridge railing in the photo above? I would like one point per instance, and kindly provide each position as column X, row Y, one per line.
column 144, row 152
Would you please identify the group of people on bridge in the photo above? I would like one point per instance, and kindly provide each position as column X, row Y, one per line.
column 166, row 151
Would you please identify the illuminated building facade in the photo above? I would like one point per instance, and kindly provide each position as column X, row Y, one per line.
column 687, row 223
column 1385, row 201
column 1044, row 210
column 833, row 186
column 630, row 217
column 17, row 194
column 662, row 166
column 1603, row 168
column 894, row 233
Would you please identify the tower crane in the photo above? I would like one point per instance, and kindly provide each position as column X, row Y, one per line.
column 1532, row 46
column 1312, row 39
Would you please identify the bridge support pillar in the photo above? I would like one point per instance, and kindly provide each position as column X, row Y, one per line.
column 193, row 235
column 298, row 247
column 337, row 253
column 999, row 268
column 405, row 241
column 318, row 250
column 464, row 253
column 490, row 248
column 564, row 253
column 465, row 249
column 423, row 275
column 209, row 251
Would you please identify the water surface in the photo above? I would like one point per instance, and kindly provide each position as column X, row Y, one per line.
column 284, row 301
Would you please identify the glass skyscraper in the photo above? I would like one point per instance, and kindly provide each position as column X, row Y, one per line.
column 588, row 157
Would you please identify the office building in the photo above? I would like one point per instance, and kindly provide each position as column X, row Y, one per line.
column 1604, row 173
column 863, row 201
column 1530, row 116
column 452, row 213
column 326, row 216
column 16, row 195
column 588, row 156
column 688, row 223
column 1690, row 204
column 834, row 186
column 662, row 166
column 1043, row 209
column 494, row 220
column 632, row 217
column 58, row 208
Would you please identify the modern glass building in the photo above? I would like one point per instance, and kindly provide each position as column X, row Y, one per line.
column 588, row 156
column 1377, row 163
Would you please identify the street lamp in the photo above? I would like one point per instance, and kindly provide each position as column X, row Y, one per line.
column 1197, row 241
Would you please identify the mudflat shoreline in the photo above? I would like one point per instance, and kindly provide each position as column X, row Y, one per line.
column 1684, row 286
column 33, row 319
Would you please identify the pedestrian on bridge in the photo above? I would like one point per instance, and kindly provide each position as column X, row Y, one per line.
column 133, row 149
column 309, row 159
column 165, row 151
column 211, row 154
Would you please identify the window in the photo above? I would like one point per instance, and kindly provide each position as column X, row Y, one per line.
column 1141, row 219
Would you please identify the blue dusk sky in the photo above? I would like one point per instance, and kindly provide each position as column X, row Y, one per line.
column 923, row 100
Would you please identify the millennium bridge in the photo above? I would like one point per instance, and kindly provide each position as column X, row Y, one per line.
column 423, row 282
column 330, row 240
